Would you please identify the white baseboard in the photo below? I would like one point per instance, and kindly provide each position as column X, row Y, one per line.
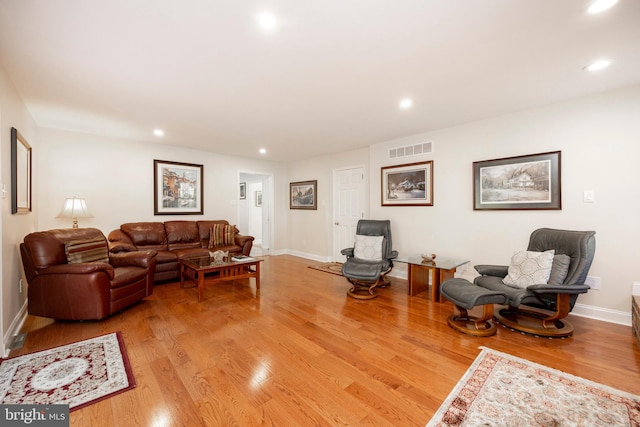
column 604, row 314
column 313, row 257
column 14, row 329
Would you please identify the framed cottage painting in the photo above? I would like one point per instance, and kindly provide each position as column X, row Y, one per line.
column 178, row 188
column 522, row 182
column 407, row 185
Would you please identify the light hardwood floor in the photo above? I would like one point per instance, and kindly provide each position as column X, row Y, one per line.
column 300, row 352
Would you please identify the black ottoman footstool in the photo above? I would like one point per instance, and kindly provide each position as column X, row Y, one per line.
column 465, row 296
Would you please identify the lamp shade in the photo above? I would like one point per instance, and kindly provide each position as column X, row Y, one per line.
column 74, row 208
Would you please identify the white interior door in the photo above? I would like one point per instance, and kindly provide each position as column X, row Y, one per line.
column 349, row 197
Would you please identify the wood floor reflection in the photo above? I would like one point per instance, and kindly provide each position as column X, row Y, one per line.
column 300, row 352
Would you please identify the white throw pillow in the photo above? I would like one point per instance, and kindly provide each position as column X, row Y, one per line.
column 368, row 247
column 529, row 268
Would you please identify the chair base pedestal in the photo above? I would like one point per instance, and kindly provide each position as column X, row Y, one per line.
column 362, row 290
column 533, row 322
column 481, row 326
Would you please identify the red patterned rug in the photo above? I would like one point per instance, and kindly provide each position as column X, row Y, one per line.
column 503, row 390
column 329, row 267
column 77, row 374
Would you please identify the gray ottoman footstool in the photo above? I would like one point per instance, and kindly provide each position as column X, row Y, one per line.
column 465, row 296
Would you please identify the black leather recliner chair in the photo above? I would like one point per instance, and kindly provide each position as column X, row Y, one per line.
column 366, row 272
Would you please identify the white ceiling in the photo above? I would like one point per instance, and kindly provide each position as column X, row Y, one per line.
column 328, row 80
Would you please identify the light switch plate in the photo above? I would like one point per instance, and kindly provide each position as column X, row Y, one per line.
column 589, row 196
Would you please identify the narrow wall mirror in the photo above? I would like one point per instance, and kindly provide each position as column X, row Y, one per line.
column 20, row 173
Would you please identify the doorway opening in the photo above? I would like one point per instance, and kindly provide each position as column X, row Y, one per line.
column 255, row 210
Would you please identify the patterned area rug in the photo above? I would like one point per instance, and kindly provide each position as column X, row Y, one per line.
column 329, row 267
column 502, row 390
column 77, row 374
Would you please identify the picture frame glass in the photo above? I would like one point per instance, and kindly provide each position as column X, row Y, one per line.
column 178, row 188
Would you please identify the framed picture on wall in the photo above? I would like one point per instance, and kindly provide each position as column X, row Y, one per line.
column 518, row 183
column 258, row 198
column 303, row 195
column 243, row 190
column 20, row 173
column 178, row 188
column 407, row 185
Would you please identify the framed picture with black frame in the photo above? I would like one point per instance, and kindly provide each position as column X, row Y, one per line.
column 527, row 182
column 410, row 184
column 178, row 188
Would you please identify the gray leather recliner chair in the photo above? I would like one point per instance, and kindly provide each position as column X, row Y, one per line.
column 551, row 302
column 365, row 274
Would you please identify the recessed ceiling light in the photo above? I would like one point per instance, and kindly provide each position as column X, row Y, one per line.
column 406, row 103
column 262, row 151
column 600, row 6
column 267, row 21
column 597, row 65
column 158, row 132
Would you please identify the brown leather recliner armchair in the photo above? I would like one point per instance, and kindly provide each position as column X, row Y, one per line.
column 82, row 290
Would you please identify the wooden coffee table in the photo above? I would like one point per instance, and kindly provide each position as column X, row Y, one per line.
column 196, row 268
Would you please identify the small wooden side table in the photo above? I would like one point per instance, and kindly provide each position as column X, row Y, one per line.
column 420, row 273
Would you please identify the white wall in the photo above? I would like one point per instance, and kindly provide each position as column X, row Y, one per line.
column 599, row 138
column 311, row 231
column 14, row 227
column 116, row 179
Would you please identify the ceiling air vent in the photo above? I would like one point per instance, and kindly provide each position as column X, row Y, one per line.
column 411, row 150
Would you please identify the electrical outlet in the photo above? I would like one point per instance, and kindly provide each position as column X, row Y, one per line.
column 593, row 281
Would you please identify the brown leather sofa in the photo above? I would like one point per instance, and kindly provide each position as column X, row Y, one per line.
column 63, row 288
column 173, row 240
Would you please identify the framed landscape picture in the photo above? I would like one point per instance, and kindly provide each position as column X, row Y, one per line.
column 303, row 195
column 407, row 185
column 522, row 182
column 178, row 188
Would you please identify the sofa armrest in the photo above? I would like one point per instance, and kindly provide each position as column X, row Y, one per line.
column 79, row 268
column 120, row 242
column 245, row 242
column 142, row 259
column 492, row 270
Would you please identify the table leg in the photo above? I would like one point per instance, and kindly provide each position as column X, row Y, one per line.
column 257, row 275
column 200, row 285
column 419, row 279
column 440, row 276
column 181, row 275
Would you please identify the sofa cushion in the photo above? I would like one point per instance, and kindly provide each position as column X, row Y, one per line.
column 146, row 235
column 222, row 235
column 87, row 250
column 182, row 234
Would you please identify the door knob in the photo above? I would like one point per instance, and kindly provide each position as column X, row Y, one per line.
column 336, row 223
